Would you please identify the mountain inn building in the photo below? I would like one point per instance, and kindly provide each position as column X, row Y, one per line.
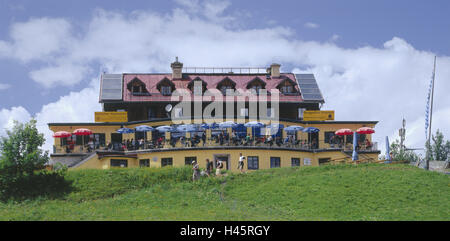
column 265, row 95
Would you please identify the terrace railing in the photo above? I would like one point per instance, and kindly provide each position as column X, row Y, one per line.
column 217, row 142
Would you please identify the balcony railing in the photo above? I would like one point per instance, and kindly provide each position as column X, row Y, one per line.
column 217, row 142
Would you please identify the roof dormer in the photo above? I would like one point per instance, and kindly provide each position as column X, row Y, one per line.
column 197, row 86
column 256, row 84
column 137, row 87
column 165, row 86
column 226, row 84
column 287, row 87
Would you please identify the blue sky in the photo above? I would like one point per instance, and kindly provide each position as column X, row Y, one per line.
column 344, row 43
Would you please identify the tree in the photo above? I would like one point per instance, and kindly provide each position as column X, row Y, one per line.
column 20, row 150
column 401, row 154
column 22, row 162
column 439, row 150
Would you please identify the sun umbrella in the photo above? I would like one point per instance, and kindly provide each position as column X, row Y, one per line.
column 354, row 154
column 165, row 128
column 209, row 126
column 125, row 130
column 143, row 128
column 311, row 130
column 365, row 130
column 253, row 124
column 294, row 128
column 186, row 128
column 227, row 124
column 82, row 132
column 343, row 132
column 62, row 134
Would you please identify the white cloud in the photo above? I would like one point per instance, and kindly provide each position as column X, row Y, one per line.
column 8, row 116
column 4, row 86
column 67, row 73
column 368, row 83
column 37, row 39
column 311, row 25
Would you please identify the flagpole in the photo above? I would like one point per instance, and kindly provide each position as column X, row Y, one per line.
column 427, row 167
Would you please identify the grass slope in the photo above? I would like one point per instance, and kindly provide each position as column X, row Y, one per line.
column 341, row 192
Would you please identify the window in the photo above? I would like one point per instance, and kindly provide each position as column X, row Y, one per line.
column 253, row 163
column 286, row 89
column 224, row 89
column 295, row 162
column 323, row 161
column 349, row 138
column 150, row 113
column 188, row 160
column 144, row 163
column 275, row 162
column 166, row 90
column 137, row 89
column 328, row 136
column 300, row 113
column 139, row 135
column 244, row 112
column 119, row 163
column 166, row 161
column 178, row 112
column 98, row 139
column 307, row 161
column 82, row 140
column 271, row 112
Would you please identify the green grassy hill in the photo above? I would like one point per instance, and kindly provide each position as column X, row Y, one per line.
column 342, row 192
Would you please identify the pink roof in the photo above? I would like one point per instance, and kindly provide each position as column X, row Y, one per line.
column 151, row 81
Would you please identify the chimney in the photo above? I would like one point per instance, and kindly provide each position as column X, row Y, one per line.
column 275, row 70
column 176, row 69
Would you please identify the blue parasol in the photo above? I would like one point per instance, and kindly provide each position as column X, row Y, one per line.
column 187, row 128
column 294, row 128
column 165, row 128
column 143, row 128
column 227, row 124
column 209, row 126
column 310, row 130
column 125, row 130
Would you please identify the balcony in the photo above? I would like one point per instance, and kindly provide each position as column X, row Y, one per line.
column 181, row 143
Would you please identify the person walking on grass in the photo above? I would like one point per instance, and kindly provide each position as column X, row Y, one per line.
column 241, row 163
column 196, row 168
column 209, row 167
column 219, row 168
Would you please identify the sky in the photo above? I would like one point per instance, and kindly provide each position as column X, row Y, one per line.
column 372, row 60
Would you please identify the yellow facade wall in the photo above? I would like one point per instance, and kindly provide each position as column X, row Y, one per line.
column 178, row 158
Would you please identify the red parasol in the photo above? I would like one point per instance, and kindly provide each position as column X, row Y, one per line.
column 343, row 132
column 365, row 130
column 62, row 134
column 82, row 132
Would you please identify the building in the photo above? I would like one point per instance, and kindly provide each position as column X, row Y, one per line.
column 245, row 94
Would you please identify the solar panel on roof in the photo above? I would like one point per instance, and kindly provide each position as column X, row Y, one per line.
column 308, row 87
column 111, row 87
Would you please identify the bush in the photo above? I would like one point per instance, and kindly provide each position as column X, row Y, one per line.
column 44, row 183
